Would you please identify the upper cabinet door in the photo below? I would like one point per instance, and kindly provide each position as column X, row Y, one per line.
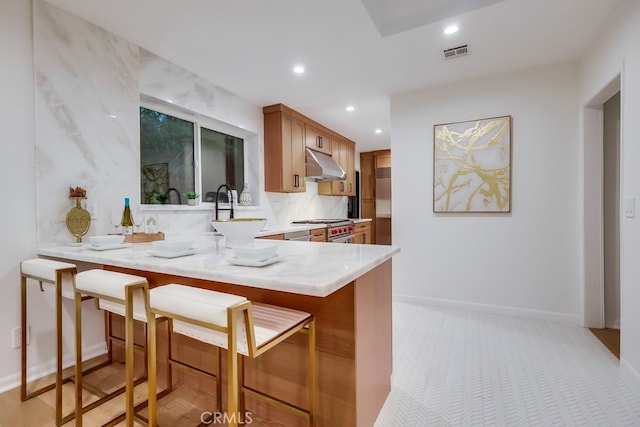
column 317, row 139
column 344, row 155
column 284, row 163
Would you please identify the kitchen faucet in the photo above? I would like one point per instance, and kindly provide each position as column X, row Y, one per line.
column 168, row 195
column 230, row 209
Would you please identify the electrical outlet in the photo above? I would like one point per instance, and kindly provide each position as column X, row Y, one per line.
column 16, row 336
column 630, row 207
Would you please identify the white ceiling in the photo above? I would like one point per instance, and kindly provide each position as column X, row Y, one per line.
column 356, row 52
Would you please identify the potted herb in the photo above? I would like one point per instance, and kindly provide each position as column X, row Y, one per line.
column 191, row 196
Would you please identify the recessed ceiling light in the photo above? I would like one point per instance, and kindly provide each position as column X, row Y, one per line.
column 451, row 29
column 350, row 108
column 378, row 130
column 298, row 69
column 113, row 116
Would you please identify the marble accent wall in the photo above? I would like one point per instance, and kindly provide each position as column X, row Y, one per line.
column 87, row 95
column 86, row 114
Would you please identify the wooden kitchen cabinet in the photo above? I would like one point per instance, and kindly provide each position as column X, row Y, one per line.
column 317, row 139
column 350, row 183
column 367, row 190
column 362, row 232
column 284, row 151
column 279, row 236
column 369, row 162
column 319, row 235
column 344, row 153
column 287, row 134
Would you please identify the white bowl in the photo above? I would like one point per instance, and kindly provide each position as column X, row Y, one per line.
column 108, row 240
column 238, row 231
column 256, row 251
column 172, row 245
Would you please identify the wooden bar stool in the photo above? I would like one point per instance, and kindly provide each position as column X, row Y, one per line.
column 125, row 295
column 236, row 324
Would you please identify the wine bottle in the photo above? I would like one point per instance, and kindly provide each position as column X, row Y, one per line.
column 127, row 221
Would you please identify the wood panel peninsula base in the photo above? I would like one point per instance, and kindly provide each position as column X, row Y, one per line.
column 354, row 350
column 346, row 287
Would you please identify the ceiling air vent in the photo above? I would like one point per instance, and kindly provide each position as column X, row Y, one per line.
column 454, row 52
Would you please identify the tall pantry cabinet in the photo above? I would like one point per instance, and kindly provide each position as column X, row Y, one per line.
column 376, row 164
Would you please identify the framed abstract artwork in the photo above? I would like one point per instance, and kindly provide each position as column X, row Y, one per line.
column 472, row 166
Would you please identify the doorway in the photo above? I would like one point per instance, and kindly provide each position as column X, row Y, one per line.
column 602, row 203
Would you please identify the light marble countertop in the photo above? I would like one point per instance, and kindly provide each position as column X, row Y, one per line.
column 307, row 268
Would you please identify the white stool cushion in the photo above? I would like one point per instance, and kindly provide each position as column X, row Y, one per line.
column 211, row 307
column 45, row 269
column 107, row 283
column 112, row 284
column 193, row 303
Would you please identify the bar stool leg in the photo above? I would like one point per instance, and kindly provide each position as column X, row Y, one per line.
column 232, row 372
column 78, row 383
column 241, row 395
column 152, row 364
column 129, row 356
column 58, row 348
column 312, row 373
column 23, row 337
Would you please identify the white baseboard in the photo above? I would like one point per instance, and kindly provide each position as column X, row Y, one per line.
column 12, row 381
column 489, row 308
column 630, row 376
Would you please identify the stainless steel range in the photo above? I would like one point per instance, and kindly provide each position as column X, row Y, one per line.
column 338, row 230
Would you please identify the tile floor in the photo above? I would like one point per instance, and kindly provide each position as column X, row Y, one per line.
column 465, row 368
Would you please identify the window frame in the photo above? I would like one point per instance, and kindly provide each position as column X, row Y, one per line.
column 199, row 121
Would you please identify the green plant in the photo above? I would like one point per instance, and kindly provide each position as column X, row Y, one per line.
column 191, row 195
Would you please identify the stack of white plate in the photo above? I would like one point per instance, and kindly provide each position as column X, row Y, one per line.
column 255, row 254
column 107, row 242
column 171, row 248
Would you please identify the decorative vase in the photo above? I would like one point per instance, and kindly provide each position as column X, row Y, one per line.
column 78, row 220
column 245, row 196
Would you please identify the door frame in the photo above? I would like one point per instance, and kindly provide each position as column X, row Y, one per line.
column 592, row 271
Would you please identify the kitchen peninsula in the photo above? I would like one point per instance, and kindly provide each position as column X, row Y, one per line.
column 346, row 286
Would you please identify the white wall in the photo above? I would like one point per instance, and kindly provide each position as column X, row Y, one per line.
column 524, row 262
column 17, row 216
column 616, row 52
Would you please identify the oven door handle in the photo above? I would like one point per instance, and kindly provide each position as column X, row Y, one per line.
column 343, row 239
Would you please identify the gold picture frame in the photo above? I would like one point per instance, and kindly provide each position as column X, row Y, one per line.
column 472, row 166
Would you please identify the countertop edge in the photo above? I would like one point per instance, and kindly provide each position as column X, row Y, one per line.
column 291, row 283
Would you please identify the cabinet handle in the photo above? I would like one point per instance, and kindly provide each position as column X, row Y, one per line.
column 296, row 180
column 350, row 187
column 319, row 143
column 342, row 186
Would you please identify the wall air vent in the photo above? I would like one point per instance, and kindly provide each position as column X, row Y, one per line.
column 454, row 52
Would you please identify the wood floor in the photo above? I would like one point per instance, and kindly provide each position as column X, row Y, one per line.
column 183, row 407
column 610, row 338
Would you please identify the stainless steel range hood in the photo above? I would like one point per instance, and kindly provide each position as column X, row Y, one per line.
column 322, row 167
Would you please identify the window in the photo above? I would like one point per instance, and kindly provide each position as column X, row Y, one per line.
column 180, row 154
